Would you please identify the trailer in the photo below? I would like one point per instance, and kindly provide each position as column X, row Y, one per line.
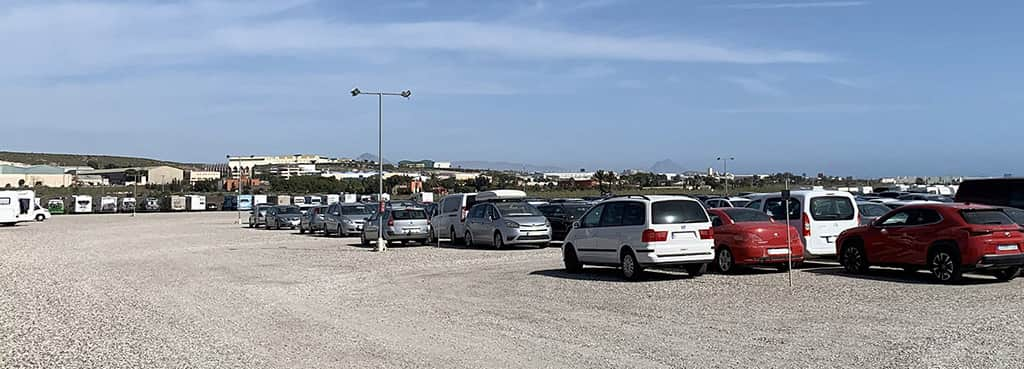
column 299, row 200
column 350, row 198
column 314, row 200
column 196, row 202
column 424, row 197
column 82, row 204
column 151, row 204
column 259, row 199
column 56, row 206
column 247, row 202
column 333, row 199
column 127, row 204
column 108, row 204
column 16, row 206
column 175, row 203
column 280, row 200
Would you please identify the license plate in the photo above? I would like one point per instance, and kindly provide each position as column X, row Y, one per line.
column 683, row 236
column 778, row 251
column 1007, row 247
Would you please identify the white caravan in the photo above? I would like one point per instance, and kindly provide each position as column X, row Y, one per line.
column 333, row 199
column 82, row 204
column 108, row 204
column 196, row 202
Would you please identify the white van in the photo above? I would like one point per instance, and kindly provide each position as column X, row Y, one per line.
column 819, row 216
column 451, row 216
column 196, row 202
column 83, row 204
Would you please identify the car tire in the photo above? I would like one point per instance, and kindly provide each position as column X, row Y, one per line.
column 853, row 259
column 302, row 230
column 40, row 218
column 469, row 239
column 944, row 263
column 251, row 225
column 363, row 241
column 696, row 270
column 571, row 260
column 341, row 232
column 1007, row 275
column 499, row 242
column 631, row 268
column 543, row 245
column 454, row 240
column 724, row 262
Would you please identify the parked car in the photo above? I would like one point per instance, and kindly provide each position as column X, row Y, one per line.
column 948, row 239
column 258, row 215
column 902, row 203
column 313, row 220
column 869, row 211
column 750, row 237
column 1016, row 214
column 637, row 232
column 346, row 219
column 561, row 215
column 450, row 219
column 924, row 197
column 283, row 216
column 400, row 225
column 890, row 194
column 996, row 192
column 503, row 218
column 818, row 214
column 726, row 202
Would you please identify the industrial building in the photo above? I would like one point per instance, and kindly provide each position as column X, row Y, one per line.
column 247, row 164
column 12, row 175
column 146, row 175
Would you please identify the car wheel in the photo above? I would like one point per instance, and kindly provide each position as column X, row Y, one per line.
column 542, row 245
column 631, row 269
column 40, row 218
column 854, row 260
column 469, row 239
column 251, row 225
column 571, row 261
column 696, row 270
column 363, row 241
column 499, row 242
column 341, row 232
column 454, row 240
column 302, row 230
column 724, row 261
column 1007, row 275
column 945, row 266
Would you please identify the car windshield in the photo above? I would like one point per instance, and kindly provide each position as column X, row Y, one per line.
column 832, row 208
column 678, row 212
column 288, row 210
column 356, row 210
column 986, row 217
column 740, row 215
column 517, row 209
column 408, row 214
column 873, row 210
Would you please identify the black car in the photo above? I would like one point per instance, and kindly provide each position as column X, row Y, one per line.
column 561, row 216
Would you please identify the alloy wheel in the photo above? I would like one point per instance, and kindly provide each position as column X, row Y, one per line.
column 943, row 266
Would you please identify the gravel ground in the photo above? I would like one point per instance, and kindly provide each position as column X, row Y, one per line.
column 196, row 291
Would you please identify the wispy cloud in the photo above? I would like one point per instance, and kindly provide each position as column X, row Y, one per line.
column 848, row 82
column 821, row 108
column 800, row 5
column 758, row 86
column 593, row 4
column 591, row 71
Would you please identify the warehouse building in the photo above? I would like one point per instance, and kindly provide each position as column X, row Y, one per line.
column 12, row 176
column 146, row 175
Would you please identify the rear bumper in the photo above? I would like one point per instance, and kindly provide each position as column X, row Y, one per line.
column 648, row 257
column 999, row 261
column 398, row 235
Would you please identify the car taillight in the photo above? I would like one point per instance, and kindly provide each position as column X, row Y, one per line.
column 978, row 232
column 807, row 225
column 707, row 234
column 651, row 235
column 391, row 222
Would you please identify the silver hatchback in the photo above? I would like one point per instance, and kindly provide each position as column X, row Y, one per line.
column 404, row 225
column 507, row 223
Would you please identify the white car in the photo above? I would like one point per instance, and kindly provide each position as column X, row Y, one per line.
column 818, row 214
column 726, row 202
column 636, row 232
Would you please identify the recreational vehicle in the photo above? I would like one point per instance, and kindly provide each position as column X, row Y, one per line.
column 108, row 204
column 258, row 199
column 176, row 203
column 127, row 204
column 314, row 200
column 56, row 206
column 280, row 200
column 83, row 204
column 196, row 202
column 246, row 202
column 151, row 204
column 14, row 207
column 299, row 200
column 332, row 199
column 424, row 197
column 350, row 198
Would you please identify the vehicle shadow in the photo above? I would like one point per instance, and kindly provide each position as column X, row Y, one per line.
column 607, row 274
column 901, row 276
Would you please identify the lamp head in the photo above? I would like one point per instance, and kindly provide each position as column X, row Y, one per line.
column 356, row 92
column 406, row 94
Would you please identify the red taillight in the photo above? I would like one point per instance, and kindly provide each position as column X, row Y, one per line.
column 651, row 235
column 391, row 222
column 807, row 225
column 707, row 234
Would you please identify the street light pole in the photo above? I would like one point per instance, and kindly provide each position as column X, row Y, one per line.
column 725, row 171
column 381, row 246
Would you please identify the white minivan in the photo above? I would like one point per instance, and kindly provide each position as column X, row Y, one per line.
column 451, row 216
column 635, row 232
column 819, row 216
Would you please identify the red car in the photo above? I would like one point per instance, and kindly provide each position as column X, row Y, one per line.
column 948, row 239
column 750, row 237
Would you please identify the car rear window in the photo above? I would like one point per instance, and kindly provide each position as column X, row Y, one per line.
column 678, row 212
column 740, row 215
column 986, row 217
column 408, row 214
column 832, row 208
column 873, row 210
column 288, row 210
column 356, row 210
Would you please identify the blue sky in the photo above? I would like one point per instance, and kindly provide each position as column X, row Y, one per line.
column 864, row 88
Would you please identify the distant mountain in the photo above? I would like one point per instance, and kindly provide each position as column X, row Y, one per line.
column 667, row 166
column 370, row 157
column 502, row 165
column 80, row 160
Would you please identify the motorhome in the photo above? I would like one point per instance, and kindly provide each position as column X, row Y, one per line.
column 176, row 203
column 257, row 199
column 127, row 204
column 315, row 200
column 424, row 197
column 83, row 204
column 15, row 207
column 151, row 204
column 350, row 198
column 108, row 204
column 56, row 206
column 246, row 202
column 196, row 202
column 299, row 200
column 280, row 200
column 333, row 199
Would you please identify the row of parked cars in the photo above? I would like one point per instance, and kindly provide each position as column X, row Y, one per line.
column 638, row 232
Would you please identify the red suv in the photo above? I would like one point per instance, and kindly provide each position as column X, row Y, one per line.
column 948, row 239
column 750, row 237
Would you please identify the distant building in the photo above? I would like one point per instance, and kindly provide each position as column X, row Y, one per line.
column 442, row 165
column 247, row 164
column 201, row 175
column 33, row 175
column 287, row 171
column 160, row 174
column 570, row 175
column 416, row 164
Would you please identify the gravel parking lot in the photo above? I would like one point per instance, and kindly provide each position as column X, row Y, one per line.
column 196, row 290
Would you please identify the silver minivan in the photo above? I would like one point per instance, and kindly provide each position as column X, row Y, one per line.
column 499, row 224
column 451, row 214
column 404, row 225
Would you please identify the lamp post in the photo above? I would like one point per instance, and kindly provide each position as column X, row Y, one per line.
column 380, row 157
column 725, row 171
column 238, row 186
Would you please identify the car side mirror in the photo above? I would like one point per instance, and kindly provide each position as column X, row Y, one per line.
column 576, row 224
